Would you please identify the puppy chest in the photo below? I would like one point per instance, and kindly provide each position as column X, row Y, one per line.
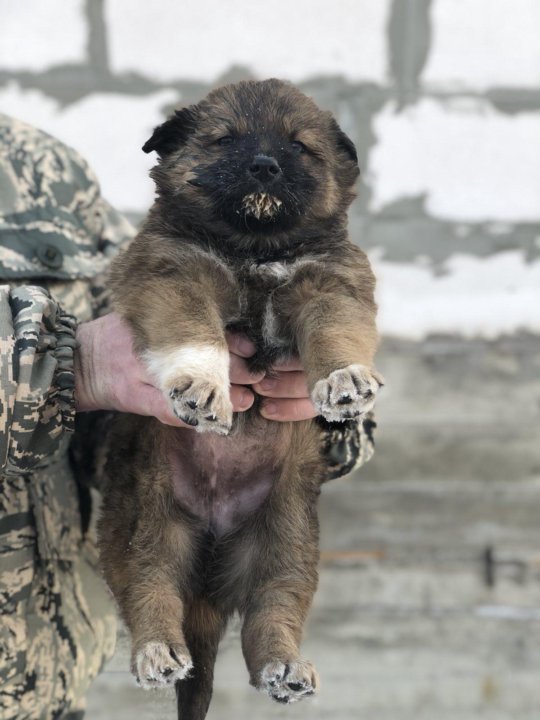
column 260, row 318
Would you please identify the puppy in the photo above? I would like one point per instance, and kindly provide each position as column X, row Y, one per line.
column 248, row 233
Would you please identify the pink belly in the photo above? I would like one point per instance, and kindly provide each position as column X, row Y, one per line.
column 222, row 480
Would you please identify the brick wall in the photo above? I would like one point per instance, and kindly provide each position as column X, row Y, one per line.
column 441, row 97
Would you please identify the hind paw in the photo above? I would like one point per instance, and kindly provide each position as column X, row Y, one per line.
column 157, row 664
column 289, row 682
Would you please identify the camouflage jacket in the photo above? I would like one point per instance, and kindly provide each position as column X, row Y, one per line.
column 57, row 236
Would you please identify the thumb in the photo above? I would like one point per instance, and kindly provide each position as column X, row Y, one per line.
column 148, row 400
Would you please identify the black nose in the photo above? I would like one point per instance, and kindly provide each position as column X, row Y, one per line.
column 264, row 168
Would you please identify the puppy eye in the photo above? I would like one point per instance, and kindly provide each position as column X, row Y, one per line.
column 298, row 147
column 227, row 140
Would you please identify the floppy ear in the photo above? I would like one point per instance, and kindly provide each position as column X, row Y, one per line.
column 173, row 132
column 344, row 142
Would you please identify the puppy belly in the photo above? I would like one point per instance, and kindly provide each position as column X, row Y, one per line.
column 221, row 480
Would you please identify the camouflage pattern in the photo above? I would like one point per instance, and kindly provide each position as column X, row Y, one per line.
column 348, row 445
column 57, row 236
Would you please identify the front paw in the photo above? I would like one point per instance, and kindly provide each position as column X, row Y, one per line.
column 201, row 404
column 195, row 380
column 347, row 393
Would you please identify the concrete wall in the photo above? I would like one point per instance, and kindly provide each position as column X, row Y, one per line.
column 434, row 549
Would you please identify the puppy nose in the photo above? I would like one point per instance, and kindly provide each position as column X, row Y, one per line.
column 264, row 168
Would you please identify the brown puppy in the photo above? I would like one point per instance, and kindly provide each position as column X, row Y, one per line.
column 248, row 232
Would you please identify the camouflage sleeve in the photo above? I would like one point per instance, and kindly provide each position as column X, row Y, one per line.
column 115, row 232
column 347, row 446
column 37, row 341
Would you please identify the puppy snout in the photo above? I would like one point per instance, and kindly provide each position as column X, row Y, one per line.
column 264, row 168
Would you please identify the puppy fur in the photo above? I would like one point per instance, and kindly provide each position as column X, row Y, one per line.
column 249, row 233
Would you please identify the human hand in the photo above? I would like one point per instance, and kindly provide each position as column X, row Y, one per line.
column 110, row 376
column 286, row 394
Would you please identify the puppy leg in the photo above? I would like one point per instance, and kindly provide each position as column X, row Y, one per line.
column 329, row 312
column 178, row 311
column 154, row 614
column 339, row 357
column 147, row 576
column 286, row 579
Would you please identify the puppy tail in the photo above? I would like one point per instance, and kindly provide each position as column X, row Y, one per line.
column 203, row 629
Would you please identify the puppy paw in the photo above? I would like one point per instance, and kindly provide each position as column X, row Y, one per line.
column 157, row 664
column 347, row 393
column 201, row 404
column 195, row 380
column 289, row 682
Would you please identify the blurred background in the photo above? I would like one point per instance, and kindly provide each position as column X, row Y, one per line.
column 429, row 600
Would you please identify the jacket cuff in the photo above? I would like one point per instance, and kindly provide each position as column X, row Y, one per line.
column 63, row 385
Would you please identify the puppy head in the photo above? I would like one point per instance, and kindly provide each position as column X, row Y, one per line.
column 257, row 157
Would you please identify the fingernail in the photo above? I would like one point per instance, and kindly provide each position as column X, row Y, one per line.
column 268, row 383
column 245, row 399
column 269, row 408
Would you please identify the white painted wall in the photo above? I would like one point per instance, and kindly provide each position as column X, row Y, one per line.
column 484, row 43
column 35, row 34
column 472, row 296
column 201, row 39
column 471, row 162
column 108, row 130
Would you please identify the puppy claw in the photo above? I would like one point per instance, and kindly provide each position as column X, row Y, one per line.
column 347, row 393
column 202, row 405
column 188, row 420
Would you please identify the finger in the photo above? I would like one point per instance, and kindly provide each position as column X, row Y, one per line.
column 284, row 410
column 241, row 397
column 284, row 385
column 288, row 365
column 240, row 374
column 151, row 402
column 239, row 344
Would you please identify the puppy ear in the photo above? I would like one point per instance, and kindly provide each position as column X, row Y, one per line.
column 173, row 133
column 344, row 142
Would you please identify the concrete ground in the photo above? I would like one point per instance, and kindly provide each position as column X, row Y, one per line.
column 429, row 598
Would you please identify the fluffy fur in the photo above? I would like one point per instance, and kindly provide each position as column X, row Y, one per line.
column 248, row 232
